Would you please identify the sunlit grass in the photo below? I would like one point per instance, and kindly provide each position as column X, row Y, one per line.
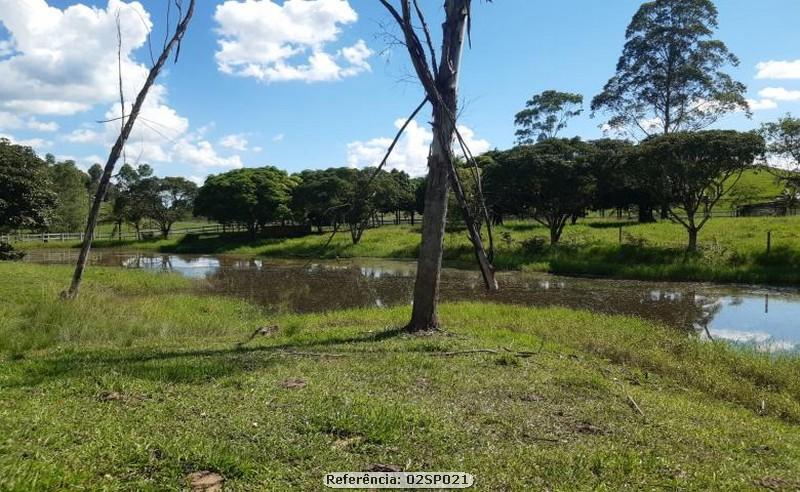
column 141, row 381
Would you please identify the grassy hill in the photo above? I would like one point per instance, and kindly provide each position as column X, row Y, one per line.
column 755, row 186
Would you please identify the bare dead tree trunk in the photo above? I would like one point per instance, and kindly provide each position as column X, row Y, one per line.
column 119, row 145
column 441, row 87
column 442, row 174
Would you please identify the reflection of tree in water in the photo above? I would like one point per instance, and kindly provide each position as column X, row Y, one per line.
column 314, row 288
column 324, row 286
column 710, row 307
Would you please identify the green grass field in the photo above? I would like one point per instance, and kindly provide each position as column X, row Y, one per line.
column 732, row 249
column 755, row 186
column 140, row 382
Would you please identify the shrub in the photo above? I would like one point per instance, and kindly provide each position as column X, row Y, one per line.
column 8, row 253
column 534, row 246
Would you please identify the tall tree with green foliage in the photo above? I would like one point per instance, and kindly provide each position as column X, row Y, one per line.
column 252, row 197
column 321, row 196
column 393, row 193
column 27, row 199
column 168, row 200
column 615, row 185
column 129, row 196
column 696, row 169
column 553, row 181
column 95, row 172
column 671, row 75
column 70, row 184
column 503, row 191
column 783, row 149
column 783, row 142
column 545, row 115
column 344, row 195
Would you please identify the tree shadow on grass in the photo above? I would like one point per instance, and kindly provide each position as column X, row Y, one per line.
column 779, row 256
column 117, row 243
column 214, row 243
column 176, row 366
column 524, row 226
column 611, row 224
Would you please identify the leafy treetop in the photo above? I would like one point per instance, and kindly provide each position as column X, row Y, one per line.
column 545, row 115
column 671, row 75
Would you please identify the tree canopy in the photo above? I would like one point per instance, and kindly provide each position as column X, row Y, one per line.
column 167, row 200
column 71, row 186
column 545, row 115
column 549, row 181
column 671, row 75
column 783, row 140
column 250, row 196
column 696, row 169
column 129, row 195
column 27, row 199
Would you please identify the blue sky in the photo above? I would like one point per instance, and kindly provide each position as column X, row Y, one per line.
column 249, row 105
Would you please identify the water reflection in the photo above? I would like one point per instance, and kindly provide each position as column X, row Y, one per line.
column 766, row 319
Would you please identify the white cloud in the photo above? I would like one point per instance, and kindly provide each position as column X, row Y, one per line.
column 278, row 138
column 11, row 121
column 759, row 104
column 89, row 160
column 83, row 135
column 42, row 126
column 36, row 143
column 779, row 94
column 411, row 152
column 778, row 69
column 161, row 135
column 201, row 155
column 65, row 61
column 272, row 42
column 476, row 146
column 6, row 48
column 234, row 141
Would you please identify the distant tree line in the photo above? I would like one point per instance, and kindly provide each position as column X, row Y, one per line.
column 554, row 182
column 558, row 180
column 45, row 195
column 49, row 195
column 256, row 197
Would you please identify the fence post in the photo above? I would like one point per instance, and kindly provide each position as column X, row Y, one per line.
column 769, row 241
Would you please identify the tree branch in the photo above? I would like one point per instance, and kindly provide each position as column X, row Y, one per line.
column 117, row 149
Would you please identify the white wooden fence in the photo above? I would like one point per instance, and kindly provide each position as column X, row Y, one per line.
column 46, row 237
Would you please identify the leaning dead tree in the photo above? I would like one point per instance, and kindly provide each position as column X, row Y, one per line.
column 126, row 126
column 440, row 82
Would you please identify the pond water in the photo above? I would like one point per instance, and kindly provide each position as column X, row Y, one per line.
column 765, row 318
